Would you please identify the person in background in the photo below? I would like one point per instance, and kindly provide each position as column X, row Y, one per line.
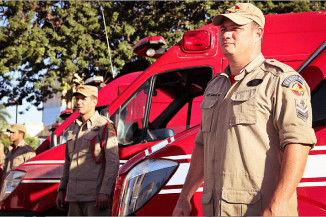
column 19, row 151
column 91, row 160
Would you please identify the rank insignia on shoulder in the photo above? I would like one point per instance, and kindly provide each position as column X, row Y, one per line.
column 295, row 82
column 302, row 110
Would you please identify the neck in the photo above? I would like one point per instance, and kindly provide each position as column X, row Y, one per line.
column 17, row 142
column 88, row 115
column 237, row 63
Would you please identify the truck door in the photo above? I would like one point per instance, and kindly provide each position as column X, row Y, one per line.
column 312, row 188
column 166, row 104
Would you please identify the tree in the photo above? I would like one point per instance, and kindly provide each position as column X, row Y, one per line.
column 3, row 115
column 42, row 42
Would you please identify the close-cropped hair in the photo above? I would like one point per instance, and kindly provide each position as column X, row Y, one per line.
column 22, row 133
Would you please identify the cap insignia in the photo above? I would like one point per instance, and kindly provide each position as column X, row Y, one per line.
column 233, row 9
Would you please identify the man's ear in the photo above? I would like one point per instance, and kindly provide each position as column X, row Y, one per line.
column 259, row 34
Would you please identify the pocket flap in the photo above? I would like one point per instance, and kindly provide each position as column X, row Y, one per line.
column 209, row 102
column 206, row 197
column 243, row 95
column 70, row 135
column 90, row 135
column 244, row 197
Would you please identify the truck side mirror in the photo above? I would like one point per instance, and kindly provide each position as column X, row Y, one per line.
column 54, row 140
column 105, row 113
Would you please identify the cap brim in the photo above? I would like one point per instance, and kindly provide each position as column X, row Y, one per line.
column 238, row 19
column 11, row 130
column 84, row 94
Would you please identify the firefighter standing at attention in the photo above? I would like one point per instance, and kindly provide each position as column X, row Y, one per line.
column 91, row 159
column 255, row 133
column 19, row 151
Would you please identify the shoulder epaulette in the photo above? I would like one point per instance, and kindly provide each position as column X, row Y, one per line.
column 276, row 66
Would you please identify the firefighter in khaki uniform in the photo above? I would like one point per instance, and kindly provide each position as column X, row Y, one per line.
column 91, row 160
column 18, row 151
column 256, row 129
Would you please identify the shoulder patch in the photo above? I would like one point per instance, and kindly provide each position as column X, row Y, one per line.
column 295, row 84
column 279, row 65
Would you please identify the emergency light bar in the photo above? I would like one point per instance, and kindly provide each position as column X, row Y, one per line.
column 196, row 40
column 150, row 47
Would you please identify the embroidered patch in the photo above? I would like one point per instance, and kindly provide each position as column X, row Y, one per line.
column 233, row 9
column 295, row 82
column 302, row 110
column 111, row 127
column 291, row 79
column 113, row 131
column 297, row 89
column 213, row 94
column 254, row 82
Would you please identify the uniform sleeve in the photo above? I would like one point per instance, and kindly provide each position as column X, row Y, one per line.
column 66, row 166
column 111, row 160
column 29, row 154
column 199, row 138
column 292, row 110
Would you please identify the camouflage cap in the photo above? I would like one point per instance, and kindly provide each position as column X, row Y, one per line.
column 87, row 90
column 17, row 127
column 241, row 14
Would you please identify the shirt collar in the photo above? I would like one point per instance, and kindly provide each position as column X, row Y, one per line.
column 249, row 68
column 90, row 122
column 22, row 143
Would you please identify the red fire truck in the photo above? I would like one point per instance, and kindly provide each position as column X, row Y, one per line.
column 158, row 173
column 159, row 110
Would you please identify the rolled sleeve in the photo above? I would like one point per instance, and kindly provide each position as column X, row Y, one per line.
column 292, row 110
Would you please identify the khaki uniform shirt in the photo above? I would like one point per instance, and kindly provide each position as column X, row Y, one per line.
column 245, row 128
column 22, row 153
column 83, row 178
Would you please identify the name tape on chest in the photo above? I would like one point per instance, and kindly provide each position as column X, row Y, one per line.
column 254, row 82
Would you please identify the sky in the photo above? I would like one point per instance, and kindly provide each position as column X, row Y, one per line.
column 30, row 116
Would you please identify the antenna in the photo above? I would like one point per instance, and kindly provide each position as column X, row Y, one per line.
column 107, row 41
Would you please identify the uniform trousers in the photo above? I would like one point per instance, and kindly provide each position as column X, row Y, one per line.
column 86, row 209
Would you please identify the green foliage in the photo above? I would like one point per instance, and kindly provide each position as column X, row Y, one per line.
column 3, row 115
column 42, row 42
column 32, row 141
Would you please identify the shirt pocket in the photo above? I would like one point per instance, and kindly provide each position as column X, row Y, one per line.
column 207, row 203
column 90, row 139
column 241, row 203
column 207, row 106
column 18, row 160
column 243, row 107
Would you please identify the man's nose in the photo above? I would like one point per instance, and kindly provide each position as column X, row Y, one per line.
column 227, row 34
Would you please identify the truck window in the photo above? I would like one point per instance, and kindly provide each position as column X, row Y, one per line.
column 176, row 98
column 129, row 118
column 318, row 104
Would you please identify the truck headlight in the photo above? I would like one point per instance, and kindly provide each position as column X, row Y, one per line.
column 143, row 182
column 11, row 182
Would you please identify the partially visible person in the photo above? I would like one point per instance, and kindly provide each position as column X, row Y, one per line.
column 19, row 151
column 91, row 160
column 2, row 154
